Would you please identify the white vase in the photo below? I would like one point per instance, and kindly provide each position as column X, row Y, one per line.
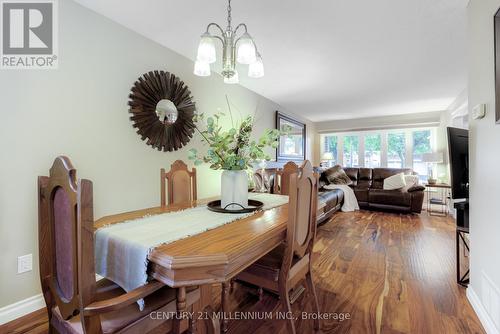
column 234, row 189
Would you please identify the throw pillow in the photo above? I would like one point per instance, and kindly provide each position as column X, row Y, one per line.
column 337, row 175
column 395, row 182
column 411, row 181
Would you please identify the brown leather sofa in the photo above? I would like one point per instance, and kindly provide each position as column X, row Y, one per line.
column 329, row 201
column 368, row 183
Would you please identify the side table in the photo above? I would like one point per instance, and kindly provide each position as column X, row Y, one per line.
column 441, row 201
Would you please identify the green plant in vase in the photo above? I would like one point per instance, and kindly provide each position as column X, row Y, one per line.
column 234, row 151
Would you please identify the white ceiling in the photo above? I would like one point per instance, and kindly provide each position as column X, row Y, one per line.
column 326, row 59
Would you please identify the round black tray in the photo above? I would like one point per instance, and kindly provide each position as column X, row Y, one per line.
column 253, row 205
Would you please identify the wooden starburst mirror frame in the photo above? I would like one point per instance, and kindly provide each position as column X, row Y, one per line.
column 162, row 110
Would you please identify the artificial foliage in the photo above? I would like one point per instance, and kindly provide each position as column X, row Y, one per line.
column 233, row 148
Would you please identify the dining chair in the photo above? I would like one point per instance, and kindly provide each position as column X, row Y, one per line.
column 282, row 178
column 283, row 268
column 76, row 303
column 179, row 183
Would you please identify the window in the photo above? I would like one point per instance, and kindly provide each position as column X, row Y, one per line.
column 373, row 152
column 351, row 151
column 393, row 148
column 421, row 145
column 331, row 146
column 396, row 150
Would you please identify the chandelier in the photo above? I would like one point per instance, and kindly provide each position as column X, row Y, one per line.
column 241, row 49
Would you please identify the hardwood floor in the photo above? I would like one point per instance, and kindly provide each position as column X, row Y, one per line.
column 390, row 273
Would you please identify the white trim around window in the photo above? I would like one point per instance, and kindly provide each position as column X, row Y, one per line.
column 408, row 132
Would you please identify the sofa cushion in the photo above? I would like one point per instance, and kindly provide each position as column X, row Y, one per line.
column 389, row 197
column 353, row 174
column 361, row 194
column 337, row 175
column 364, row 178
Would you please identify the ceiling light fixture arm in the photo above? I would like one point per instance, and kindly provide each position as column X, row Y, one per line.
column 246, row 32
column 239, row 26
column 236, row 30
column 220, row 38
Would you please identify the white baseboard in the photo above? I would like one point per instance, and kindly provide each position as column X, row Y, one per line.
column 21, row 308
column 24, row 307
column 483, row 316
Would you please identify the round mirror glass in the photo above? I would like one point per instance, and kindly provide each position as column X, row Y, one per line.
column 166, row 111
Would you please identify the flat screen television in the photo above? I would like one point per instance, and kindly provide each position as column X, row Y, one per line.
column 458, row 146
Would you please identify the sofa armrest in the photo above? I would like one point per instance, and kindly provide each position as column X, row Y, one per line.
column 418, row 187
column 417, row 200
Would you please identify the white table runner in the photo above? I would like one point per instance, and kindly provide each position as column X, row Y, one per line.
column 121, row 250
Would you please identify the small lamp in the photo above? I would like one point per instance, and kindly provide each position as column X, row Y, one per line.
column 431, row 159
column 327, row 157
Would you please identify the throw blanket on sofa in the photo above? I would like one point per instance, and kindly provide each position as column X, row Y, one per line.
column 350, row 200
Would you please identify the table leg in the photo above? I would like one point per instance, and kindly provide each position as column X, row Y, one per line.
column 181, row 309
column 202, row 310
column 192, row 324
column 225, row 306
column 428, row 200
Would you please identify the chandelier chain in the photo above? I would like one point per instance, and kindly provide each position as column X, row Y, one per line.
column 229, row 18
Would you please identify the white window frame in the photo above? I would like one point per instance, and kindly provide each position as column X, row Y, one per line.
column 408, row 132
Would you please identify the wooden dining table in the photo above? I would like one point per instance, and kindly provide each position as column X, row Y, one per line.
column 214, row 256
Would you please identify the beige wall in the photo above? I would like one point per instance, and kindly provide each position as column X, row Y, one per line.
column 484, row 159
column 81, row 110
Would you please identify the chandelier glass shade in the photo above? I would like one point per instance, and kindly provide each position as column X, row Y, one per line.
column 206, row 49
column 256, row 69
column 246, row 50
column 237, row 46
column 201, row 69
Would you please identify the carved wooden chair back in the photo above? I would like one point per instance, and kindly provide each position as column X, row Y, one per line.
column 282, row 180
column 66, row 244
column 295, row 255
column 301, row 229
column 179, row 182
column 66, row 252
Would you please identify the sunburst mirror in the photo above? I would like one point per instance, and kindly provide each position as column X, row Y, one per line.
column 162, row 110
